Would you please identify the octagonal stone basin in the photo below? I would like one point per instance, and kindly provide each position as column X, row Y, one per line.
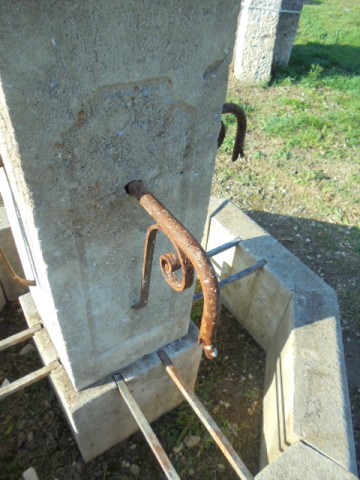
column 294, row 316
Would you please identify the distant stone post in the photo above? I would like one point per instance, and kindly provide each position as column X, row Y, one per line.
column 265, row 36
column 286, row 31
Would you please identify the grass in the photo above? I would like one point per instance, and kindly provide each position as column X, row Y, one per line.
column 305, row 132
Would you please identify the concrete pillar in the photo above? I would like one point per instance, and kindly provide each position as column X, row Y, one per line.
column 286, row 31
column 94, row 95
column 255, row 42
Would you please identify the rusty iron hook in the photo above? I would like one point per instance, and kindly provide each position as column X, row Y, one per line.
column 189, row 256
column 169, row 263
column 240, row 132
column 21, row 281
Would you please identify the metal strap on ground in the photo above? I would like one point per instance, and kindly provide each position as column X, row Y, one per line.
column 237, row 276
column 146, row 429
column 224, row 445
column 28, row 380
column 19, row 337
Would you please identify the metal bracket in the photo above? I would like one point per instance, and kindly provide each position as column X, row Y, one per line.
column 31, row 377
column 237, row 276
column 28, row 379
column 19, row 337
column 204, row 416
column 146, row 429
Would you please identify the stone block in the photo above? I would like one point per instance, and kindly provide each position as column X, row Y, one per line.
column 286, row 31
column 302, row 462
column 305, row 392
column 11, row 289
column 255, row 41
column 100, row 96
column 97, row 415
column 294, row 315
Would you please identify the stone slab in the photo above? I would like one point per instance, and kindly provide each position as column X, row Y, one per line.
column 305, row 392
column 11, row 289
column 302, row 462
column 255, row 41
column 294, row 315
column 97, row 415
column 286, row 31
column 100, row 96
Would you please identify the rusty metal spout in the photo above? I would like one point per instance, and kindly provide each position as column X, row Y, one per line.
column 189, row 256
column 21, row 281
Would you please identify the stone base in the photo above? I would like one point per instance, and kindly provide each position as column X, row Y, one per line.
column 97, row 415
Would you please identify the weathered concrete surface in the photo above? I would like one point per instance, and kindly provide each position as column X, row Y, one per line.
column 294, row 316
column 302, row 462
column 100, row 94
column 286, row 31
column 97, row 416
column 11, row 289
column 255, row 41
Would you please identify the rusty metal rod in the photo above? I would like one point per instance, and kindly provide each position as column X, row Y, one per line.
column 19, row 337
column 146, row 429
column 237, row 276
column 188, row 251
column 28, row 379
column 19, row 280
column 220, row 439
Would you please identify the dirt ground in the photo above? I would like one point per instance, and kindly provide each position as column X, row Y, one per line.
column 34, row 432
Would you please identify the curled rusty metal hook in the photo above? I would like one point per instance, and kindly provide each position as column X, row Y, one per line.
column 240, row 132
column 189, row 257
column 169, row 263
